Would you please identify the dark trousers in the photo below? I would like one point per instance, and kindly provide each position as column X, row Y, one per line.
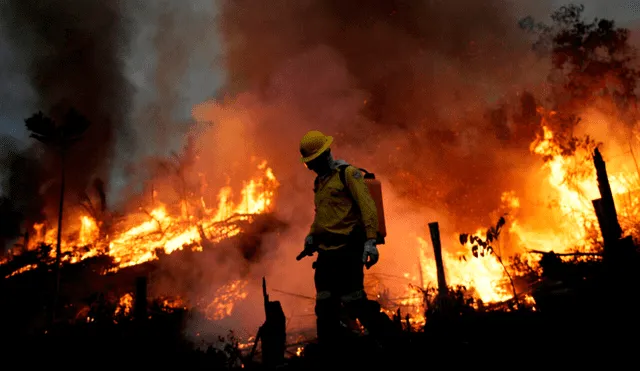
column 339, row 281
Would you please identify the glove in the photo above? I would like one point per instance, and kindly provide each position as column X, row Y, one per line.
column 370, row 255
column 309, row 248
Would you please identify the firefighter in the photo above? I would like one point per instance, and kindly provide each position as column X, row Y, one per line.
column 344, row 234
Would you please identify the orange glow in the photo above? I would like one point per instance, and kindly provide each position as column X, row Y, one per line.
column 566, row 222
column 136, row 244
column 225, row 298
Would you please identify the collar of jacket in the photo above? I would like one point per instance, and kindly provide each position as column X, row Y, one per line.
column 333, row 166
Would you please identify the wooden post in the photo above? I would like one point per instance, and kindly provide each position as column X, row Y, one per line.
column 605, row 208
column 273, row 333
column 608, row 232
column 607, row 205
column 140, row 300
column 437, row 252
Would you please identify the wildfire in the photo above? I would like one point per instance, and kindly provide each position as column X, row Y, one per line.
column 161, row 230
column 574, row 182
column 165, row 231
column 569, row 222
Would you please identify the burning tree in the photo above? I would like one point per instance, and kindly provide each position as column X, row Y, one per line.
column 59, row 137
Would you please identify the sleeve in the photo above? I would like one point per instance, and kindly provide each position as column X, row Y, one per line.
column 313, row 230
column 314, row 225
column 362, row 197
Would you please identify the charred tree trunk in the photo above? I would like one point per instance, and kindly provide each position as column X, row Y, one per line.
column 607, row 228
column 437, row 252
column 605, row 207
column 56, row 293
column 608, row 206
column 273, row 333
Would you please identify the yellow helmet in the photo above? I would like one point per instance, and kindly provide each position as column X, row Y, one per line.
column 313, row 144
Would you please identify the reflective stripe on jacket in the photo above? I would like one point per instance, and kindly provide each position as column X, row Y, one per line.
column 338, row 212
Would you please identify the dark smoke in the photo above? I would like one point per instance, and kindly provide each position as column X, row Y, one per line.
column 442, row 87
column 72, row 50
column 22, row 178
column 179, row 36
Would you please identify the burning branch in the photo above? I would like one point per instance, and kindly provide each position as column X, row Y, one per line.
column 161, row 230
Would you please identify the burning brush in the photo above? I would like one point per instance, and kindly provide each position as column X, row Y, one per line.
column 145, row 236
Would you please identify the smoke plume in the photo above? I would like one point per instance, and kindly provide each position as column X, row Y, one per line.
column 72, row 51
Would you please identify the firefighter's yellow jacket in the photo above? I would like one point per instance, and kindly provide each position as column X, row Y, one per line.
column 338, row 211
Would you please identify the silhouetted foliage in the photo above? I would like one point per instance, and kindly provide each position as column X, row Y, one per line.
column 459, row 301
column 480, row 246
column 484, row 246
column 590, row 59
column 47, row 131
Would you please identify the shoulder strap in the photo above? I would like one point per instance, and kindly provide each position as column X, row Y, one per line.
column 342, row 172
column 342, row 169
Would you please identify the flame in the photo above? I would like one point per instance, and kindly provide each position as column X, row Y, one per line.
column 484, row 274
column 22, row 270
column 164, row 231
column 568, row 223
column 225, row 299
column 88, row 231
column 124, row 305
column 573, row 183
column 174, row 303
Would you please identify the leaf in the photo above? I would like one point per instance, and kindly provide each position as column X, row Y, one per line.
column 464, row 238
column 501, row 222
column 490, row 235
column 490, row 250
column 41, row 125
column 464, row 258
column 474, row 250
